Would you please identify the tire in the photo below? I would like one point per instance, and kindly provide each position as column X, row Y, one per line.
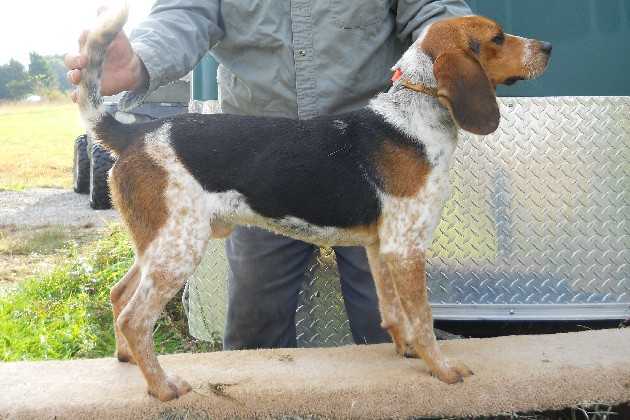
column 101, row 163
column 81, row 166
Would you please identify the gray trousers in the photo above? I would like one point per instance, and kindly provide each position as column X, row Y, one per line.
column 265, row 276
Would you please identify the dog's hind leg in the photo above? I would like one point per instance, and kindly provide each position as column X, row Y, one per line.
column 165, row 266
column 388, row 301
column 409, row 275
column 157, row 287
column 119, row 296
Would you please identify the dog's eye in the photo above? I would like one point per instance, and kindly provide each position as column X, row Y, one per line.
column 499, row 39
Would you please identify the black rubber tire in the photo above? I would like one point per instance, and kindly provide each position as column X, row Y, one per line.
column 81, row 166
column 100, row 164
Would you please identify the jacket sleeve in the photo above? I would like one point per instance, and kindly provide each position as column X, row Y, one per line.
column 171, row 40
column 412, row 16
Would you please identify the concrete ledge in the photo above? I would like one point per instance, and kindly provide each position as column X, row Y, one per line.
column 518, row 373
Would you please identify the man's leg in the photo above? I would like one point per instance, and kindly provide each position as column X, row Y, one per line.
column 266, row 273
column 359, row 295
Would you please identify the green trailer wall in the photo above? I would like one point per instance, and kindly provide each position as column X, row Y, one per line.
column 204, row 80
column 591, row 43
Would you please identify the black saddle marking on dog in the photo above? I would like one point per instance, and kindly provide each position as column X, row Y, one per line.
column 321, row 170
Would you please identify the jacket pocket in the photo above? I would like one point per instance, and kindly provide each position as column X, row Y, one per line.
column 359, row 14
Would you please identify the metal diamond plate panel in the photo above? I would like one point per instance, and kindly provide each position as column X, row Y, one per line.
column 540, row 210
column 538, row 227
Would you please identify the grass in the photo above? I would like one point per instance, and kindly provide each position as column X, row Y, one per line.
column 41, row 240
column 37, row 144
column 66, row 313
column 26, row 252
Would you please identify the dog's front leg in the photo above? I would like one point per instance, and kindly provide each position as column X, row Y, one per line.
column 407, row 271
column 388, row 301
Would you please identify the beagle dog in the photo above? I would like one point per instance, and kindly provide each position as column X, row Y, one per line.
column 376, row 177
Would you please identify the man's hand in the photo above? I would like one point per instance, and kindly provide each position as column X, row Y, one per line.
column 122, row 69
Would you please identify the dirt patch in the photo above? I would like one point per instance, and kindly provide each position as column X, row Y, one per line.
column 50, row 206
column 14, row 269
column 25, row 252
column 38, row 226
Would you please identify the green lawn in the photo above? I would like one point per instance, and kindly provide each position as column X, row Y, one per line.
column 37, row 141
column 66, row 314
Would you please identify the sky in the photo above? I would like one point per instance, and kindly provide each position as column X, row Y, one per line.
column 52, row 26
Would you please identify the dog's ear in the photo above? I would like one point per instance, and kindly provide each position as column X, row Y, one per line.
column 464, row 88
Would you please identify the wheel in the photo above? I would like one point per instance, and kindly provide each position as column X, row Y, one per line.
column 81, row 166
column 101, row 163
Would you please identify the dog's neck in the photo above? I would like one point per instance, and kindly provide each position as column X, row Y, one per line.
column 420, row 116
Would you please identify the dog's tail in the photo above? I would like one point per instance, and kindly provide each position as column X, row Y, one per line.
column 100, row 125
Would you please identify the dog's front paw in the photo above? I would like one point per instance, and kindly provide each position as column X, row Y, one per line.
column 454, row 372
column 410, row 353
column 173, row 387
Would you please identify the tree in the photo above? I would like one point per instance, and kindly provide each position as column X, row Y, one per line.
column 46, row 76
column 14, row 81
column 59, row 69
column 41, row 73
column 18, row 89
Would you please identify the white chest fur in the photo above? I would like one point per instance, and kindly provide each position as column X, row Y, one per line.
column 408, row 223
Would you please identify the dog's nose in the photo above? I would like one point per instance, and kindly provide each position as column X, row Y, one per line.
column 546, row 47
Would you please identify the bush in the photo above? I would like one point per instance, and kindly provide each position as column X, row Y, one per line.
column 66, row 313
column 53, row 95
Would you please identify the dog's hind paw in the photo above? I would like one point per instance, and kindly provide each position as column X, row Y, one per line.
column 125, row 357
column 173, row 387
column 454, row 372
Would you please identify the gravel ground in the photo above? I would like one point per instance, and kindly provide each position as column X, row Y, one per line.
column 50, row 206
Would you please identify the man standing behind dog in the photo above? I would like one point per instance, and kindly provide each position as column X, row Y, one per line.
column 294, row 59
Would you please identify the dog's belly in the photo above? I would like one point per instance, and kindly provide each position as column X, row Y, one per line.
column 319, row 235
column 231, row 208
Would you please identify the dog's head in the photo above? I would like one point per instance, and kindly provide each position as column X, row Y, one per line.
column 472, row 55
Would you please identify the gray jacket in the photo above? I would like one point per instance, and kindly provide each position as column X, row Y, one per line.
column 290, row 58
